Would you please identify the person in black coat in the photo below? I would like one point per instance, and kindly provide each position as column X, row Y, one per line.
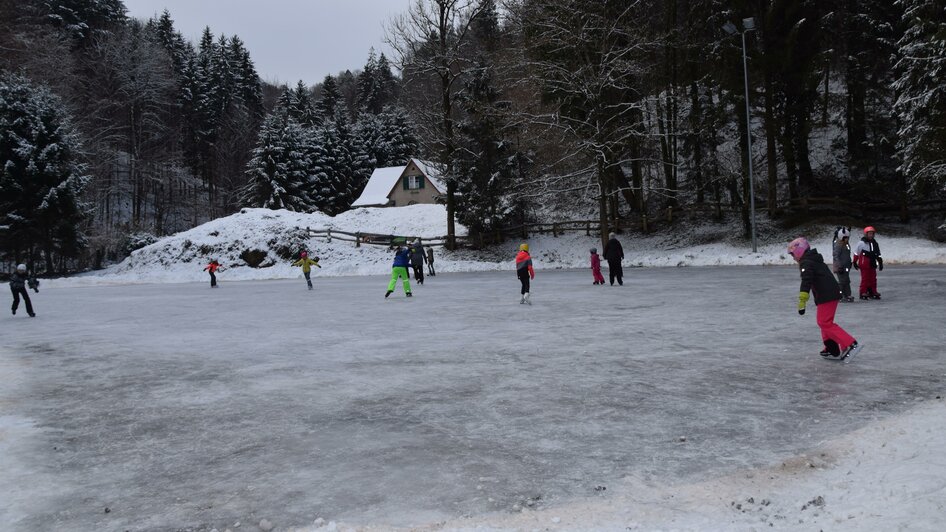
column 614, row 254
column 816, row 278
column 18, row 283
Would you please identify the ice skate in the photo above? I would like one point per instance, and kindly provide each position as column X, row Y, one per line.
column 389, row 292
column 527, row 299
column 409, row 294
column 850, row 351
column 522, row 301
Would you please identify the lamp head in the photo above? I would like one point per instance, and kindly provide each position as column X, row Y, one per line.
column 730, row 28
column 748, row 24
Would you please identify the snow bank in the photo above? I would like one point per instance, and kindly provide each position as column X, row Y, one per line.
column 280, row 234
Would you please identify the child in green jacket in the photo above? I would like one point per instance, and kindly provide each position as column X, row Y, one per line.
column 307, row 265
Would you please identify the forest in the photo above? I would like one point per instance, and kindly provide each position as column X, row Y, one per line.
column 115, row 131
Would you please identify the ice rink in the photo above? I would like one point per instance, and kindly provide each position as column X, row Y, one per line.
column 183, row 407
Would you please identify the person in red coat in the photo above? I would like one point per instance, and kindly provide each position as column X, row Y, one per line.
column 212, row 270
column 524, row 272
column 596, row 267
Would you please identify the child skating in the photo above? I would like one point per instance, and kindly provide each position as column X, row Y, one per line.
column 867, row 258
column 842, row 261
column 817, row 279
column 212, row 269
column 430, row 261
column 596, row 267
column 18, row 283
column 525, row 272
column 307, row 265
column 402, row 259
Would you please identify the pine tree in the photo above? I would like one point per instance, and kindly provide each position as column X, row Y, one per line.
column 330, row 99
column 81, row 19
column 369, row 89
column 280, row 170
column 485, row 162
column 42, row 179
column 387, row 83
column 921, row 100
column 302, row 109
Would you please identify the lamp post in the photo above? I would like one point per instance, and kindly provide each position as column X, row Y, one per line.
column 748, row 24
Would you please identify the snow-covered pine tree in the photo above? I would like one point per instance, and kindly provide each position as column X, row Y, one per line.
column 279, row 172
column 331, row 97
column 369, row 89
column 42, row 179
column 302, row 109
column 177, row 47
column 81, row 19
column 387, row 83
column 921, row 95
column 486, row 163
column 359, row 163
column 329, row 163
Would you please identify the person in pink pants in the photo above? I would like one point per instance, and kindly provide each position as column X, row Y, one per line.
column 596, row 267
column 816, row 278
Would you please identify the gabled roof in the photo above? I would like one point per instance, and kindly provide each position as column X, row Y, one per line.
column 433, row 173
column 379, row 185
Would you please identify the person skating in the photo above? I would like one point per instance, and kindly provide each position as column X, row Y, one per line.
column 867, row 258
column 614, row 254
column 842, row 261
column 430, row 261
column 816, row 278
column 417, row 261
column 18, row 283
column 212, row 269
column 307, row 265
column 402, row 259
column 596, row 267
column 525, row 272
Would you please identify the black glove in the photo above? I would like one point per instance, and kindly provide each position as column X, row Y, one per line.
column 801, row 312
column 880, row 264
column 856, row 267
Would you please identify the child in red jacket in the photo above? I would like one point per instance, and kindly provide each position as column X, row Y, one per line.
column 596, row 267
column 212, row 269
column 524, row 272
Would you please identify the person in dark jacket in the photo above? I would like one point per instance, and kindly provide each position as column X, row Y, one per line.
column 614, row 254
column 417, row 261
column 18, row 283
column 867, row 258
column 402, row 259
column 841, row 263
column 816, row 278
column 430, row 262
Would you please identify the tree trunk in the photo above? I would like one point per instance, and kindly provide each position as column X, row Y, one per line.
column 771, row 155
column 602, row 204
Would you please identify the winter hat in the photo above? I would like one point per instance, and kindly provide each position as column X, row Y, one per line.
column 304, row 254
column 21, row 268
column 594, row 250
column 798, row 247
column 869, row 229
column 612, row 236
column 844, row 232
column 523, row 247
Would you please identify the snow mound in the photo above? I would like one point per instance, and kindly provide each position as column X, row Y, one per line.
column 260, row 244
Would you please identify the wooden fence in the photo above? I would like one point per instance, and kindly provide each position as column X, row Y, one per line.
column 644, row 223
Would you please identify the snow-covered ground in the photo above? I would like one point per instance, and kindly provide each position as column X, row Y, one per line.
column 689, row 399
column 181, row 257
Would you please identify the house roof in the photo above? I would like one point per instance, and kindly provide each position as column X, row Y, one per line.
column 383, row 181
column 379, row 185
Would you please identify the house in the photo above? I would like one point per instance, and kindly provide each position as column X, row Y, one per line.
column 396, row 186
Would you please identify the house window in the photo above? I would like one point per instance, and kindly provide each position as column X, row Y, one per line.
column 413, row 182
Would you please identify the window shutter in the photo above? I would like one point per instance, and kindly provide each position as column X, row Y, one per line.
column 407, row 183
column 421, row 179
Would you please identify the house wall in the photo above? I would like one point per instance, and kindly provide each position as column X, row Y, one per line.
column 402, row 197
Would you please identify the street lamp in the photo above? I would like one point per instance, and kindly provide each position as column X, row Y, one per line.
column 748, row 24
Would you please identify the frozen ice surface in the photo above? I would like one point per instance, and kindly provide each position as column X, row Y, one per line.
column 185, row 407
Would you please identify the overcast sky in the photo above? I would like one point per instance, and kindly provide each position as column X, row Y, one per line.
column 288, row 39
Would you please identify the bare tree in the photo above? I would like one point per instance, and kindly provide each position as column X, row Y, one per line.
column 431, row 42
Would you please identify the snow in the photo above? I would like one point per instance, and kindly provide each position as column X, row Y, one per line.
column 431, row 170
column 379, row 185
column 668, row 403
column 181, row 257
